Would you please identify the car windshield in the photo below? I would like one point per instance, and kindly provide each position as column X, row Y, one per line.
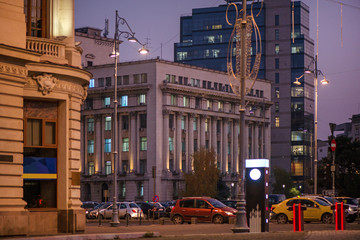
column 216, row 203
column 330, row 199
column 133, row 205
column 321, row 202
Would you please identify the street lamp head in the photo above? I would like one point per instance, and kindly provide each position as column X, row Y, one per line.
column 308, row 71
column 132, row 39
column 143, row 50
column 324, row 81
column 297, row 82
column 114, row 54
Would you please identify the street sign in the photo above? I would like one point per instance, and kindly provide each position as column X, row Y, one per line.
column 333, row 145
column 155, row 198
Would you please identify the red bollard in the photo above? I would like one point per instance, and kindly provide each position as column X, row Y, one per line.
column 298, row 217
column 340, row 216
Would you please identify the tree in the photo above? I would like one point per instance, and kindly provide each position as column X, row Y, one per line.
column 204, row 179
column 223, row 191
column 283, row 183
column 347, row 160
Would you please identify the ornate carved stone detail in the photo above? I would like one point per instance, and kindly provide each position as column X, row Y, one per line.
column 166, row 112
column 46, row 83
column 13, row 70
column 84, row 94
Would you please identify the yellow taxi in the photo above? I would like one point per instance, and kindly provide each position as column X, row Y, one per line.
column 316, row 210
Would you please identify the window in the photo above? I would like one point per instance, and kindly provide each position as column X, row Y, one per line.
column 142, row 99
column 142, row 169
column 297, row 92
column 92, row 83
column 277, row 36
column 90, row 124
column 118, row 80
column 91, row 168
column 186, row 101
column 125, row 165
column 173, row 100
column 140, row 189
column 215, row 53
column 90, row 147
column 277, row 92
column 143, row 120
column 171, row 121
column 143, row 78
column 277, row 18
column 196, row 147
column 195, row 123
column 143, row 144
column 180, row 80
column 35, row 16
column 125, row 122
column 183, row 122
column 277, row 122
column 277, row 77
column 122, row 189
column 171, row 144
column 277, row 63
column 125, row 144
column 36, row 129
column 136, row 78
column 220, row 105
column 207, row 125
column 187, row 203
column 208, row 104
column 107, row 123
column 183, row 146
column 108, row 81
column 108, row 145
column 125, row 80
column 277, row 107
column 108, row 167
column 107, row 102
column 101, row 82
column 124, row 101
column 277, row 49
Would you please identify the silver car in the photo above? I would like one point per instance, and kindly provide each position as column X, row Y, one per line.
column 126, row 210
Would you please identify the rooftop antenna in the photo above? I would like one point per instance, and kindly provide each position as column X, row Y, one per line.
column 106, row 30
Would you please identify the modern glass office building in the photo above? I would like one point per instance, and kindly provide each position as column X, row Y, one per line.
column 287, row 50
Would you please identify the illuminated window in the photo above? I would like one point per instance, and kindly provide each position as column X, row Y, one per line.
column 277, row 107
column 297, row 92
column 92, row 83
column 171, row 144
column 183, row 122
column 107, row 123
column 195, row 123
column 220, row 105
column 90, row 123
column 277, row 92
column 125, row 144
column 173, row 100
column 108, row 145
column 215, row 53
column 108, row 167
column 142, row 99
column 185, row 101
column 35, row 16
column 277, row 121
column 277, row 35
column 181, row 56
column 143, row 144
column 107, row 102
column 90, row 147
column 218, row 26
column 91, row 168
column 207, row 125
column 297, row 168
column 277, row 49
column 208, row 104
column 124, row 101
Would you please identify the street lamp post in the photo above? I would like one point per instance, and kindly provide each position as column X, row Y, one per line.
column 316, row 73
column 130, row 35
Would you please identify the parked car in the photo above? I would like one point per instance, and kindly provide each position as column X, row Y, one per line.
column 230, row 203
column 126, row 210
column 205, row 209
column 276, row 199
column 89, row 205
column 352, row 211
column 146, row 207
column 93, row 213
column 316, row 210
column 158, row 210
column 169, row 205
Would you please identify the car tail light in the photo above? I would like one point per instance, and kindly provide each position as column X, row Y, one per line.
column 272, row 208
column 133, row 211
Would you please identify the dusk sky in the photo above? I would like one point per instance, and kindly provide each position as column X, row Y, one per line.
column 158, row 22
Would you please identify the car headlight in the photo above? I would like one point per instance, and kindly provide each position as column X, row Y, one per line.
column 86, row 212
column 352, row 208
column 229, row 213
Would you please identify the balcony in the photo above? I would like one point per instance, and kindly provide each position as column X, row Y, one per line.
column 52, row 50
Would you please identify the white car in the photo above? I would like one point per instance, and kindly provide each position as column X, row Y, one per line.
column 126, row 210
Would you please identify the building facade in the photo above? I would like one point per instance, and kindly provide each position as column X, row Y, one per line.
column 166, row 112
column 286, row 51
column 42, row 87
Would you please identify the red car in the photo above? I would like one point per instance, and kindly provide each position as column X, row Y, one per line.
column 204, row 209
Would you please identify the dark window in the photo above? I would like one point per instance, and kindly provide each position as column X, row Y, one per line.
column 196, row 145
column 187, row 203
column 118, row 80
column 142, row 120
column 277, row 20
column 201, row 204
column 185, row 80
column 89, row 63
column 142, row 166
column 125, row 122
column 100, row 82
column 108, row 81
column 126, row 79
column 277, row 36
column 180, row 80
column 277, row 77
column 215, row 86
column 171, row 121
column 291, row 202
column 125, row 165
column 197, row 102
column 277, row 63
column 204, row 84
column 209, row 85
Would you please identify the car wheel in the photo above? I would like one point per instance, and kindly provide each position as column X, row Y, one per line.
column 351, row 219
column 326, row 218
column 218, row 219
column 307, row 222
column 177, row 219
column 281, row 219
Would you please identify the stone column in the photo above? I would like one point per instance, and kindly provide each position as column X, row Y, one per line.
column 166, row 153
column 84, row 144
column 225, row 145
column 213, row 133
column 202, row 130
column 133, row 140
column 246, row 138
column 267, row 135
column 190, row 139
column 231, row 158
column 236, row 145
column 178, row 159
column 98, row 143
column 256, row 139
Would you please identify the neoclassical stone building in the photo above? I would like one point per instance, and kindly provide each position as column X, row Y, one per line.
column 42, row 87
column 166, row 112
